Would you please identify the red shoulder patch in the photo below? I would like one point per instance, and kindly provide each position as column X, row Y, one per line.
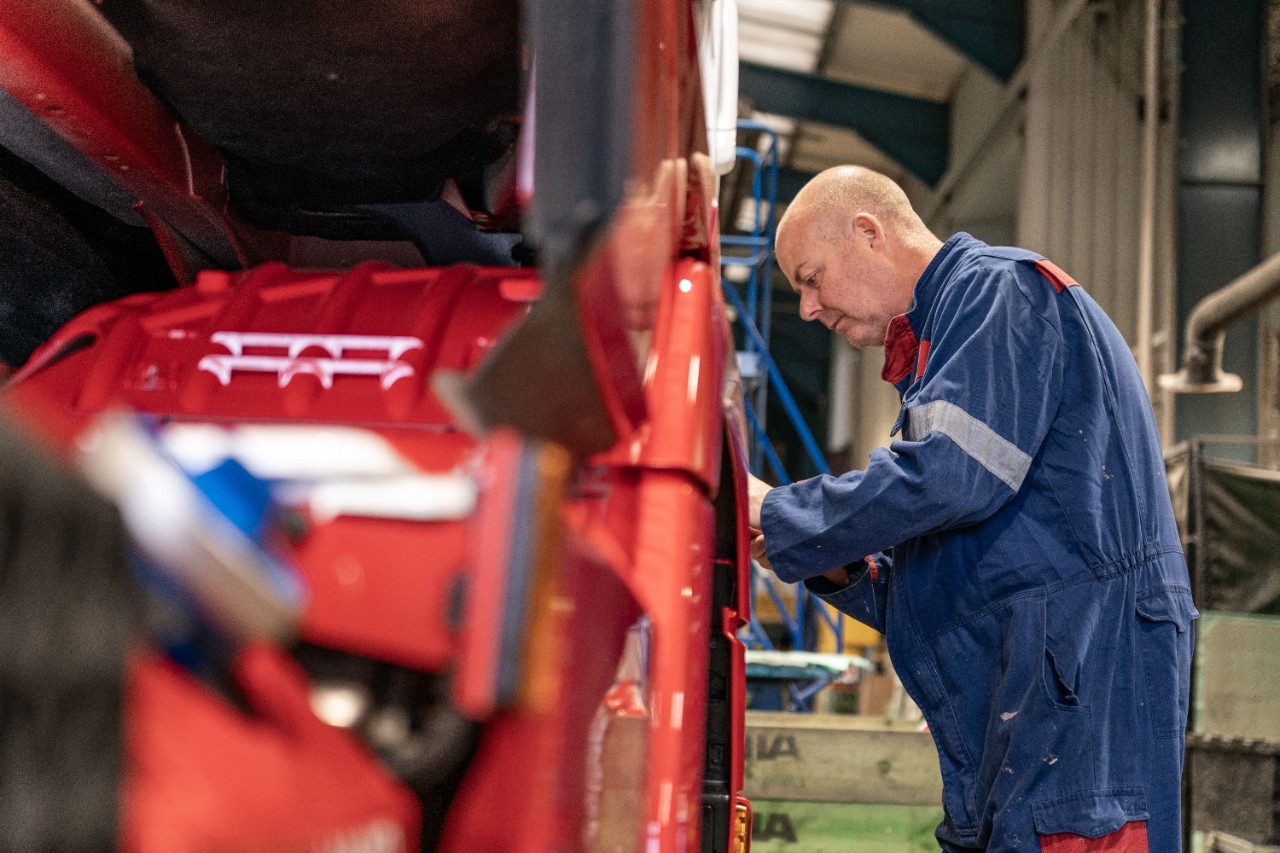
column 1056, row 275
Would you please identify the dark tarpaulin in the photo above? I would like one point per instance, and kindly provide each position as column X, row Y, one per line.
column 1229, row 515
column 1241, row 514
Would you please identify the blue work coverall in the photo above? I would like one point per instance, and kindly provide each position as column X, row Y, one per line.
column 1036, row 604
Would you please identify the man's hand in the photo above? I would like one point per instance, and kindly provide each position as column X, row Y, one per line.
column 756, row 490
column 757, row 549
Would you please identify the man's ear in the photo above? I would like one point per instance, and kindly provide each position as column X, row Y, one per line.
column 866, row 226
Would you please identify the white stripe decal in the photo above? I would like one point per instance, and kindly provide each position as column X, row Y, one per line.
column 1002, row 459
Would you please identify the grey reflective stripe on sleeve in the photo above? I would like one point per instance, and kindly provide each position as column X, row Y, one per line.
column 975, row 438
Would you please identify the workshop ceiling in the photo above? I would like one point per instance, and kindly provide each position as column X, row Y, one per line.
column 854, row 81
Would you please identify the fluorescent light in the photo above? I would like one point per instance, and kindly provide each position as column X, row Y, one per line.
column 808, row 15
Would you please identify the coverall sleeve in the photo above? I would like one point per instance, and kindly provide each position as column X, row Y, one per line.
column 972, row 424
column 866, row 594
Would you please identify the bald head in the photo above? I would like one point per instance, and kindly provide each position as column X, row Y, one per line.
column 844, row 191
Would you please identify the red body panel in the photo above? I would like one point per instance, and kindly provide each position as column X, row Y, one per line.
column 684, row 377
column 182, row 353
column 312, row 786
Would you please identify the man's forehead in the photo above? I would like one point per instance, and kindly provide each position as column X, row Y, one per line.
column 795, row 240
column 789, row 256
column 794, row 229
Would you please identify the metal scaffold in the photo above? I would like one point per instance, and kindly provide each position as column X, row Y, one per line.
column 748, row 263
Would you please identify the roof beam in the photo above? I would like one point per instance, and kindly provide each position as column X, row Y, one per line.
column 911, row 131
column 991, row 33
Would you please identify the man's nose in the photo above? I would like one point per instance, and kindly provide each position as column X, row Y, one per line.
column 810, row 307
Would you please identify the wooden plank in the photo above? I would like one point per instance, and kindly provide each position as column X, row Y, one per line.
column 835, row 758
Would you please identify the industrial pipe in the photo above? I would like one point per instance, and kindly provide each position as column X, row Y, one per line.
column 1207, row 327
column 1147, row 224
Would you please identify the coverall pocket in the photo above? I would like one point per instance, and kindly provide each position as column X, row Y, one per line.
column 1166, row 617
column 1112, row 821
column 1057, row 644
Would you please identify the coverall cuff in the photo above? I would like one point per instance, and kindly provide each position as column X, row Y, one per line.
column 821, row 586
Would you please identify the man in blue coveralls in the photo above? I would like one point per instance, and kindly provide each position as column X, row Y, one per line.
column 1024, row 563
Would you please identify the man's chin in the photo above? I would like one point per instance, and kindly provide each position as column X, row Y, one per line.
column 858, row 341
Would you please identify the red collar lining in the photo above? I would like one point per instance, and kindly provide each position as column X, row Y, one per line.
column 900, row 347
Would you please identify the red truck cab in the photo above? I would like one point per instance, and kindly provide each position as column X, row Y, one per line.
column 479, row 356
